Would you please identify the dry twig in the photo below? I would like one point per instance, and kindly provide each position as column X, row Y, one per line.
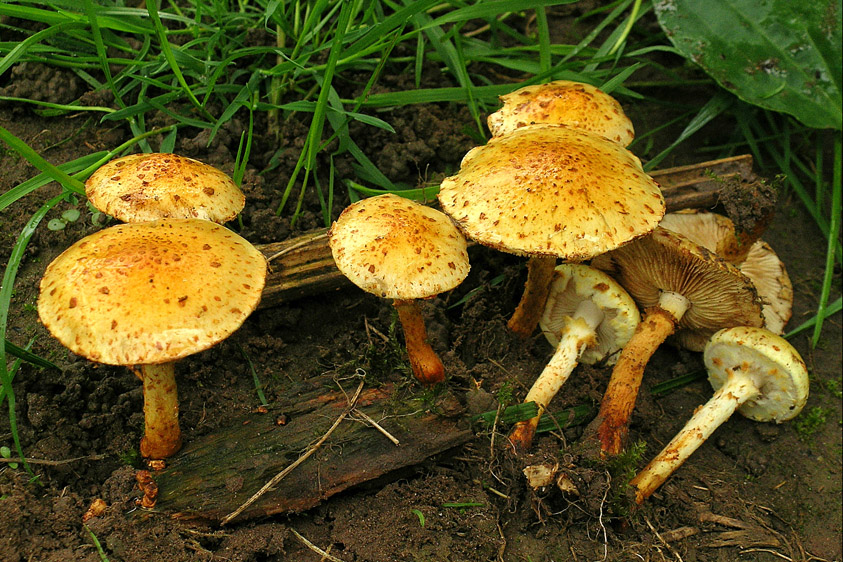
column 325, row 555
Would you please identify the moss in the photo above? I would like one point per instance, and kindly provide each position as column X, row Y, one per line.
column 812, row 421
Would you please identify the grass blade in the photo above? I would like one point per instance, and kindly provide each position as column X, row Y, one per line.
column 28, row 356
column 59, row 175
column 6, row 290
column 833, row 239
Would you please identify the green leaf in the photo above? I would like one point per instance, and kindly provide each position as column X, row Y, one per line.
column 782, row 55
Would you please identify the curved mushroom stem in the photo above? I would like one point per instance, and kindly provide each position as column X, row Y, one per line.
column 426, row 365
column 577, row 334
column 619, row 398
column 526, row 316
column 737, row 389
column 162, row 436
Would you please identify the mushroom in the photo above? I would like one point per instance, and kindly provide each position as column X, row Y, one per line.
column 149, row 294
column 398, row 249
column 143, row 187
column 548, row 192
column 752, row 371
column 760, row 263
column 563, row 102
column 588, row 317
column 682, row 287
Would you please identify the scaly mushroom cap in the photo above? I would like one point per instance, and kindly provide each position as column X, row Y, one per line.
column 720, row 295
column 772, row 282
column 573, row 284
column 574, row 104
column 151, row 292
column 761, row 265
column 396, row 248
column 548, row 190
column 144, row 187
column 709, row 230
column 773, row 364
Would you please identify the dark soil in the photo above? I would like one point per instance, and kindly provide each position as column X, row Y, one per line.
column 752, row 492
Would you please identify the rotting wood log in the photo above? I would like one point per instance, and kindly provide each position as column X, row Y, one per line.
column 303, row 266
column 215, row 474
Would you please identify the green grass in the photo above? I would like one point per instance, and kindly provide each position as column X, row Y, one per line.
column 196, row 65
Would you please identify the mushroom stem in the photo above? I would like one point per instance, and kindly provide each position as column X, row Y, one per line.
column 619, row 399
column 577, row 334
column 526, row 316
column 426, row 365
column 706, row 419
column 162, row 436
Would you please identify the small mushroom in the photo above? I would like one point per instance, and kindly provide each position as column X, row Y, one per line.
column 588, row 317
column 563, row 102
column 752, row 371
column 551, row 192
column 682, row 287
column 143, row 187
column 760, row 263
column 398, row 249
column 149, row 294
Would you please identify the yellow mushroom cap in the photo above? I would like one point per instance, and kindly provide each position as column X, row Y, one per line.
column 575, row 283
column 548, row 190
column 563, row 102
column 774, row 366
column 151, row 292
column 396, row 248
column 720, row 295
column 763, row 267
column 143, row 187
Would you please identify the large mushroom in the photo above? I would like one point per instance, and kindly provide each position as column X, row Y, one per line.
column 398, row 249
column 752, row 371
column 563, row 102
column 551, row 192
column 681, row 286
column 759, row 262
column 588, row 318
column 143, row 187
column 148, row 294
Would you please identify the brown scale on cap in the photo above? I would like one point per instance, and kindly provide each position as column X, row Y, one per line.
column 399, row 249
column 563, row 102
column 548, row 192
column 143, row 187
column 149, row 294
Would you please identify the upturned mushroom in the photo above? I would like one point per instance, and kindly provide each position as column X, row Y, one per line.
column 753, row 371
column 681, row 286
column 588, row 318
column 563, row 102
column 398, row 249
column 148, row 294
column 143, row 187
column 760, row 263
column 551, row 192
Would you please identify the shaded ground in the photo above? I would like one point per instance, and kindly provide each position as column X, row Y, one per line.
column 753, row 492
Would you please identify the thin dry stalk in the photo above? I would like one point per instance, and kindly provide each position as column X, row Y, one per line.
column 376, row 425
column 325, row 555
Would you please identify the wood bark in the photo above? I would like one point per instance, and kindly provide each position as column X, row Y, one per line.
column 215, row 474
column 303, row 266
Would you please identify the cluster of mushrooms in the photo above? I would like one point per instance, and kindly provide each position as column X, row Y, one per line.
column 556, row 183
column 167, row 283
